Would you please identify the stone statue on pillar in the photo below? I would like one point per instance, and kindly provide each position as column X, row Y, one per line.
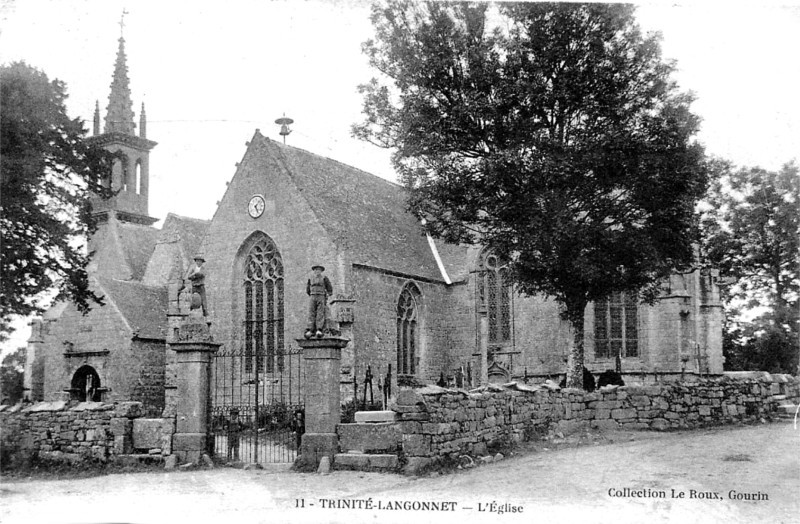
column 197, row 279
column 318, row 288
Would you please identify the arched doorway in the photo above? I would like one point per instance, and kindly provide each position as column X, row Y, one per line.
column 85, row 385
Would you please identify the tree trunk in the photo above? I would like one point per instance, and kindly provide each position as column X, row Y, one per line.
column 574, row 314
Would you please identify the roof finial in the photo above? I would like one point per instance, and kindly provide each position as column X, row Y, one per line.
column 284, row 123
column 122, row 22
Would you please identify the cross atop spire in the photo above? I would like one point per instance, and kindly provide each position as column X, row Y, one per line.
column 122, row 23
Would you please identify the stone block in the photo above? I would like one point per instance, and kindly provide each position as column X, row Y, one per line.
column 128, row 409
column 417, row 445
column 618, row 414
column 607, row 424
column 417, row 465
column 568, row 427
column 368, row 437
column 324, row 466
column 409, row 397
column 415, row 416
column 407, row 427
column 148, row 432
column 373, row 417
column 351, row 460
column 189, row 442
column 314, row 446
column 601, row 414
column 384, row 461
column 58, row 405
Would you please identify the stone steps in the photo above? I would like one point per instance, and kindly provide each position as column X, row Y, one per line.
column 787, row 410
column 366, row 462
column 371, row 444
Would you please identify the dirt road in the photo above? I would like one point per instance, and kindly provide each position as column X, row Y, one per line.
column 625, row 477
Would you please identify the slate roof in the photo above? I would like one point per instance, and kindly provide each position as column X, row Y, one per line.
column 366, row 214
column 138, row 243
column 144, row 307
column 191, row 231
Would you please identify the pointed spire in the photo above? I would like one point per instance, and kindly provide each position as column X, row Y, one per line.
column 119, row 118
column 96, row 126
column 142, row 123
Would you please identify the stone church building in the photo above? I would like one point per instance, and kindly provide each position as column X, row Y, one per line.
column 425, row 307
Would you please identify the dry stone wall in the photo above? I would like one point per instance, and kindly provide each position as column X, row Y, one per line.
column 438, row 423
column 81, row 432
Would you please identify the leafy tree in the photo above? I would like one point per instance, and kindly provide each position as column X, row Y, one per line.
column 549, row 132
column 751, row 230
column 48, row 172
column 11, row 376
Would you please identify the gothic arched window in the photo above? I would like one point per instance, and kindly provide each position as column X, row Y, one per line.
column 263, row 307
column 494, row 296
column 616, row 327
column 407, row 330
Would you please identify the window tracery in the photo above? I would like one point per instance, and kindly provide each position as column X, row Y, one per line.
column 264, row 315
column 407, row 330
column 616, row 327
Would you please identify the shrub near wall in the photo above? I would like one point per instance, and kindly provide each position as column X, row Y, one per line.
column 439, row 423
column 63, row 432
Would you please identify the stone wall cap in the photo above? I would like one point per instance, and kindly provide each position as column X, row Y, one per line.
column 92, row 406
column 374, row 417
column 432, row 390
column 194, row 345
column 57, row 405
column 324, row 342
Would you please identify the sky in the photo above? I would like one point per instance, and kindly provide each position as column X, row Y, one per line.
column 211, row 73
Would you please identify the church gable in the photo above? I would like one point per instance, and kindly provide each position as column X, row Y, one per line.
column 365, row 214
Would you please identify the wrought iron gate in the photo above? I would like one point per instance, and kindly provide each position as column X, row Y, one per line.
column 257, row 410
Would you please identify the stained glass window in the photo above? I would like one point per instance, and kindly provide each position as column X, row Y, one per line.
column 616, row 327
column 407, row 315
column 263, row 296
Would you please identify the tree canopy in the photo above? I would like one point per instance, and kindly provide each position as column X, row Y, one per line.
column 751, row 231
column 552, row 133
column 12, row 373
column 47, row 173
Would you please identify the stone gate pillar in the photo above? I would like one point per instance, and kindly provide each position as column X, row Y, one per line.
column 194, row 349
column 322, row 357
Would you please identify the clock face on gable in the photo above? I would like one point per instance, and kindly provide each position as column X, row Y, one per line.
column 256, row 206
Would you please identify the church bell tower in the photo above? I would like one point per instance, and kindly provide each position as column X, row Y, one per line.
column 130, row 177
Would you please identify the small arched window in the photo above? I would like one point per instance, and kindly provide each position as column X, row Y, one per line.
column 263, row 307
column 137, row 181
column 85, row 385
column 494, row 297
column 407, row 330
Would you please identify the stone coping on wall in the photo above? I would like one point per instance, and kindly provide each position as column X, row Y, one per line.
column 440, row 423
column 129, row 409
column 78, row 432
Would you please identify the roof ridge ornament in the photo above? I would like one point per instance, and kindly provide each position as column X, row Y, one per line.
column 284, row 122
